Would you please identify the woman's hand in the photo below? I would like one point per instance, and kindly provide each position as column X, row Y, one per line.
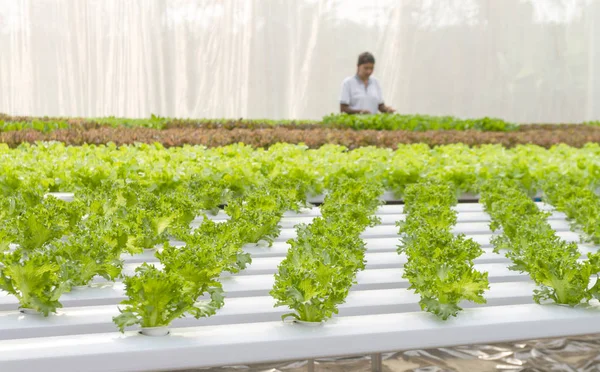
column 345, row 108
column 386, row 109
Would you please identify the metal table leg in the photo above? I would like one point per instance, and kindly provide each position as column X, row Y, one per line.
column 376, row 364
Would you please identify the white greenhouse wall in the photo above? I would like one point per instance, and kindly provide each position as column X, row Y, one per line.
column 522, row 60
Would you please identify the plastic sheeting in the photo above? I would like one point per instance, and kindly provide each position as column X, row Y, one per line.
column 522, row 60
column 572, row 354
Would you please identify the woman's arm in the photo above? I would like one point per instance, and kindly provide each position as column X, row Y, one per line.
column 346, row 108
column 382, row 106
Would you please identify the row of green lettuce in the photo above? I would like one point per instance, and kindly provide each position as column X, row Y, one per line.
column 439, row 263
column 323, row 260
column 54, row 167
column 376, row 122
column 534, row 247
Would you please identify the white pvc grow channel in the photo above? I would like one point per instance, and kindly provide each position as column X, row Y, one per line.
column 380, row 315
column 387, row 196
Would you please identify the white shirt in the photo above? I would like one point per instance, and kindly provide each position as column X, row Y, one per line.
column 360, row 97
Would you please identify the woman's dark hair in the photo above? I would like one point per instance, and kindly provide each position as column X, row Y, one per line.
column 365, row 57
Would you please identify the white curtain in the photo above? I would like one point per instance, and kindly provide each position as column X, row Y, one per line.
column 521, row 60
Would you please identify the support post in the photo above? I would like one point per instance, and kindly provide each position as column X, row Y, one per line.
column 376, row 362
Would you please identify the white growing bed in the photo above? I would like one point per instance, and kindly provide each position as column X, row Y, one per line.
column 380, row 314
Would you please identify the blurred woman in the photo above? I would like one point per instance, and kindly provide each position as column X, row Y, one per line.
column 361, row 93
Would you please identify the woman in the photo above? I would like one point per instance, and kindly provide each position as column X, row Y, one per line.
column 361, row 93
